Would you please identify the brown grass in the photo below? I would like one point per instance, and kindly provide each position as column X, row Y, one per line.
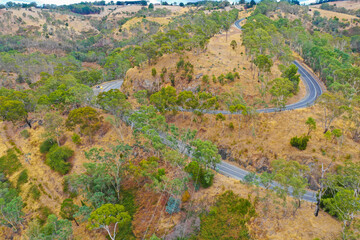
column 219, row 58
column 351, row 5
column 330, row 14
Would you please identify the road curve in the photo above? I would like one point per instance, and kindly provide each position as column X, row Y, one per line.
column 313, row 90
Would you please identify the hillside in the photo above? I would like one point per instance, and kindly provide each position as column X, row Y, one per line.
column 208, row 120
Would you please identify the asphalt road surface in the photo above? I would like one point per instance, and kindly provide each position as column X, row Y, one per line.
column 107, row 86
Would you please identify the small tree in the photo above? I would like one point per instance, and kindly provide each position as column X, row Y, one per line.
column 291, row 74
column 206, row 153
column 221, row 117
column 151, row 6
column 311, row 124
column 53, row 125
column 281, row 90
column 56, row 229
column 87, row 118
column 153, row 72
column 334, row 106
column 233, row 45
column 68, row 210
column 291, row 177
column 109, row 217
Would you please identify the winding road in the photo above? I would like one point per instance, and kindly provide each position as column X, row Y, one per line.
column 313, row 91
column 107, row 86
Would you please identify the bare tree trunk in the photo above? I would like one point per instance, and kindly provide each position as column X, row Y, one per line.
column 317, row 209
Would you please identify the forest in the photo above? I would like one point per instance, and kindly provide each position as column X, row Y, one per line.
column 188, row 121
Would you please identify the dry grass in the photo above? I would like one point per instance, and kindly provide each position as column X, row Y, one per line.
column 267, row 137
column 39, row 173
column 219, row 58
column 271, row 224
column 351, row 5
column 330, row 14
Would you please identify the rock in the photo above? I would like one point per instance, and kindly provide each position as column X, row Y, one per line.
column 224, row 153
column 198, row 75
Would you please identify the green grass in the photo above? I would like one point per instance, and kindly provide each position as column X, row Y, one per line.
column 23, row 178
column 128, row 201
column 9, row 163
column 35, row 192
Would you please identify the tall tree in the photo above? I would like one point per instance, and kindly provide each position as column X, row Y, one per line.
column 291, row 74
column 113, row 161
column 334, row 106
column 109, row 217
column 53, row 124
column 205, row 153
column 291, row 177
column 281, row 89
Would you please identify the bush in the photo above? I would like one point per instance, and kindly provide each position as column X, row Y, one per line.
column 57, row 159
column 47, row 145
column 230, row 76
column 186, row 196
column 76, row 139
column 153, row 72
column 300, row 142
column 231, row 126
column 25, row 134
column 213, row 78
column 159, row 174
column 199, row 174
column 23, row 178
column 205, row 79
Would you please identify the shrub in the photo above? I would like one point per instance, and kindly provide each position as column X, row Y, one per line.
column 153, row 72
column 221, row 79
column 237, row 75
column 25, row 134
column 57, row 159
column 47, row 145
column 186, row 196
column 76, row 139
column 213, row 78
column 231, row 126
column 205, row 79
column 159, row 174
column 230, row 76
column 23, row 178
column 189, row 78
column 44, row 212
column 180, row 64
column 300, row 142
